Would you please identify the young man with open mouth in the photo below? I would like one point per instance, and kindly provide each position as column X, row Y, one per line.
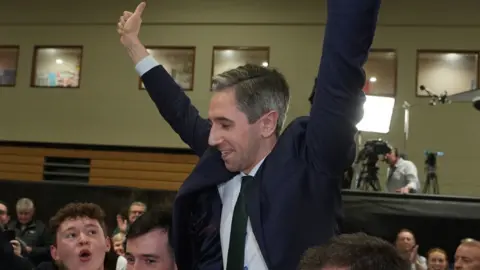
column 80, row 240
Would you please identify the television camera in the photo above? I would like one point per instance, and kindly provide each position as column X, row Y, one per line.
column 431, row 179
column 367, row 158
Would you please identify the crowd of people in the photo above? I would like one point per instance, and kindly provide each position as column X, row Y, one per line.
column 77, row 238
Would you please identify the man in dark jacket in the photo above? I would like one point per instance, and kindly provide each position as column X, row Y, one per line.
column 259, row 197
column 8, row 259
column 32, row 234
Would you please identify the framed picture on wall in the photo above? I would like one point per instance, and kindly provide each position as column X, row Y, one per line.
column 57, row 66
column 381, row 73
column 226, row 58
column 8, row 65
column 179, row 63
column 439, row 71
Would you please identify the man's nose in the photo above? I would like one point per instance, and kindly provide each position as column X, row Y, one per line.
column 214, row 139
column 83, row 239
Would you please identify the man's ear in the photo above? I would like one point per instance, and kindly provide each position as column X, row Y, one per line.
column 8, row 218
column 108, row 244
column 54, row 253
column 268, row 124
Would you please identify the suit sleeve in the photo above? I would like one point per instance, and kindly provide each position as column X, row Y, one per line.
column 338, row 101
column 174, row 105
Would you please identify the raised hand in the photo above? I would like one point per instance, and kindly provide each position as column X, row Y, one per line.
column 414, row 254
column 122, row 224
column 129, row 25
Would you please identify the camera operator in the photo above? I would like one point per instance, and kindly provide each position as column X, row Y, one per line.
column 402, row 174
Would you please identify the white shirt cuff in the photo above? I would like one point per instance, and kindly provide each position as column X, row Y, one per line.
column 145, row 65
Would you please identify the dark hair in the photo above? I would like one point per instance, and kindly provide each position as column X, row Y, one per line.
column 357, row 252
column 77, row 210
column 156, row 218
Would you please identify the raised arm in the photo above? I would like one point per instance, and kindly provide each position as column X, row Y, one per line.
column 169, row 98
column 338, row 101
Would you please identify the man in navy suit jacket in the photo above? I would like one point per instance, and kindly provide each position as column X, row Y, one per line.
column 294, row 199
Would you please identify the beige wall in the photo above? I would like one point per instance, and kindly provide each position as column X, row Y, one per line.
column 108, row 108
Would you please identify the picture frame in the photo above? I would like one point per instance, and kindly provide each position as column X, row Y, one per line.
column 56, row 67
column 178, row 61
column 9, row 55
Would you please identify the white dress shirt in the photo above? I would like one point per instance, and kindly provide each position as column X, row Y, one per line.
column 121, row 263
column 403, row 173
column 229, row 192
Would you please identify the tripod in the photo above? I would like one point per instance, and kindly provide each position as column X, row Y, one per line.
column 431, row 180
column 368, row 177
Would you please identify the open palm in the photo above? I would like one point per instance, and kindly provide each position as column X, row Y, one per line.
column 130, row 23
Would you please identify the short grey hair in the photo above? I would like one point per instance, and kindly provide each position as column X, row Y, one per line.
column 25, row 204
column 258, row 90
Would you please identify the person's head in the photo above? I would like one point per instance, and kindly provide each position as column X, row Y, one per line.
column 247, row 112
column 392, row 157
column 4, row 217
column 467, row 256
column 147, row 244
column 437, row 259
column 135, row 210
column 118, row 241
column 25, row 210
column 405, row 241
column 80, row 241
column 354, row 251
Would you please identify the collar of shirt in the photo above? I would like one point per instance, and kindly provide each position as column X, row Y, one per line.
column 255, row 169
column 399, row 161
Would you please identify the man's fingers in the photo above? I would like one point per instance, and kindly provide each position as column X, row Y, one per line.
column 140, row 8
column 120, row 31
column 15, row 243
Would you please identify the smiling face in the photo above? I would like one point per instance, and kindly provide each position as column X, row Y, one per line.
column 231, row 133
column 437, row 260
column 80, row 244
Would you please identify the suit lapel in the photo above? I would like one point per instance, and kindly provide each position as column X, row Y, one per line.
column 209, row 171
column 254, row 212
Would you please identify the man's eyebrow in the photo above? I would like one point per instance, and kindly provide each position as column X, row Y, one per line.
column 222, row 119
column 86, row 225
column 150, row 256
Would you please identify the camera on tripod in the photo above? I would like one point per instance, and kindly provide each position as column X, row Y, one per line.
column 368, row 158
column 431, row 180
column 431, row 158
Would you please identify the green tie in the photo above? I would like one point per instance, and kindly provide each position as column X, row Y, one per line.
column 238, row 233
